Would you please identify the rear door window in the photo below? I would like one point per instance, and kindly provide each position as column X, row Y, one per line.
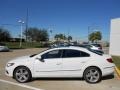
column 74, row 53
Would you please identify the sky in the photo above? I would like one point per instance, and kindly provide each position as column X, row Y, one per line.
column 70, row 17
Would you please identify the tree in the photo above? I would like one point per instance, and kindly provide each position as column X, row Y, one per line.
column 56, row 37
column 35, row 34
column 44, row 35
column 95, row 36
column 69, row 38
column 4, row 35
column 60, row 37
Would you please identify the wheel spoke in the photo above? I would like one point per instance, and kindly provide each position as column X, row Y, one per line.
column 95, row 77
column 21, row 71
column 88, row 75
column 96, row 72
column 91, row 72
column 91, row 78
column 25, row 77
column 17, row 74
column 20, row 78
column 25, row 73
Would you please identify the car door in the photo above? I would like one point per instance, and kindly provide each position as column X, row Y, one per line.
column 73, row 60
column 50, row 64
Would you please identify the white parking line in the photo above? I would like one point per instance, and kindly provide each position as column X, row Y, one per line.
column 21, row 85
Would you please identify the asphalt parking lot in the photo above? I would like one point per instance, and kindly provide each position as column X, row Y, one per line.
column 7, row 83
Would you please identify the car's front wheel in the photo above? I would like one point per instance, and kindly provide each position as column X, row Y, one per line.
column 22, row 74
column 92, row 75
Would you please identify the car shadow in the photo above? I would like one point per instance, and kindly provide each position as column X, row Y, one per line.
column 7, row 50
column 108, row 77
column 57, row 79
column 69, row 79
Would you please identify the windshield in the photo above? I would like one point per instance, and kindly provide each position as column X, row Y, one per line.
column 33, row 55
column 38, row 53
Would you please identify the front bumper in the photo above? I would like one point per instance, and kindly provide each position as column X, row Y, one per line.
column 9, row 71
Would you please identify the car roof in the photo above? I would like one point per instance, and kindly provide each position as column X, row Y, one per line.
column 71, row 47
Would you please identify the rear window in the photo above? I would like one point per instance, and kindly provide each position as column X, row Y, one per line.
column 96, row 52
column 38, row 53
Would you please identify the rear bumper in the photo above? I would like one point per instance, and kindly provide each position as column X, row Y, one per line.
column 108, row 71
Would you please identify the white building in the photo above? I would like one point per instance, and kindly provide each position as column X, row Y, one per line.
column 115, row 37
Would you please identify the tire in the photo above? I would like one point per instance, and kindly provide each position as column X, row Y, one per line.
column 92, row 75
column 22, row 74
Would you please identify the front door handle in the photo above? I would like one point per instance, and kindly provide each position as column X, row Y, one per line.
column 58, row 64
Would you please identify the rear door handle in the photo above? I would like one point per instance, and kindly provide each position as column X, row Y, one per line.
column 58, row 63
column 83, row 62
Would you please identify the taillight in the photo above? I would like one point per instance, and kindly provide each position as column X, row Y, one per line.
column 100, row 48
column 110, row 60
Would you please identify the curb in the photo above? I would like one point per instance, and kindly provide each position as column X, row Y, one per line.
column 118, row 72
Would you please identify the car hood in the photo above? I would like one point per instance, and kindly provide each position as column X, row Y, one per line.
column 20, row 59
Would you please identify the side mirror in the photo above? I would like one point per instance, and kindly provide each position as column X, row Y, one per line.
column 41, row 59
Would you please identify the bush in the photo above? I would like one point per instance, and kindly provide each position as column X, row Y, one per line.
column 16, row 45
column 116, row 60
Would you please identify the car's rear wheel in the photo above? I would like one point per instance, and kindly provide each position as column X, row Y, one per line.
column 22, row 74
column 92, row 75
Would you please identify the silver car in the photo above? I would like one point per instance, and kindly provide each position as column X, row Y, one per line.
column 3, row 47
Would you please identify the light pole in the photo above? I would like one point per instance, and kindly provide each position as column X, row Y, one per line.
column 88, row 33
column 51, row 34
column 21, row 22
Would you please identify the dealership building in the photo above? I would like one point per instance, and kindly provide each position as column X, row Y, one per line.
column 115, row 37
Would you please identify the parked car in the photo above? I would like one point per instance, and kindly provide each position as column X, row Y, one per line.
column 96, row 46
column 3, row 47
column 57, row 45
column 93, row 47
column 61, row 62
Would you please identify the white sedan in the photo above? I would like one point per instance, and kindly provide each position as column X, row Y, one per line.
column 61, row 62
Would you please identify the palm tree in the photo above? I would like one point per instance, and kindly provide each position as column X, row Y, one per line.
column 69, row 38
column 56, row 37
column 95, row 36
column 60, row 37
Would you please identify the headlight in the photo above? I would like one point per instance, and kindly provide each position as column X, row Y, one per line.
column 10, row 64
